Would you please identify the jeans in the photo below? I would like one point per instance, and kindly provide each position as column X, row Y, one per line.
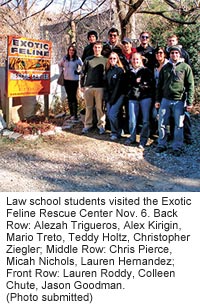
column 134, row 108
column 113, row 116
column 175, row 109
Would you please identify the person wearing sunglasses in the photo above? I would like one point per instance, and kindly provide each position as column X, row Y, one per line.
column 160, row 61
column 114, row 93
column 175, row 79
column 112, row 44
column 146, row 50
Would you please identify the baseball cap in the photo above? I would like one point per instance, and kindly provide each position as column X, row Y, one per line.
column 126, row 40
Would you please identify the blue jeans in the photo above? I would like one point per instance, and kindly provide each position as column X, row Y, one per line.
column 113, row 116
column 175, row 109
column 134, row 108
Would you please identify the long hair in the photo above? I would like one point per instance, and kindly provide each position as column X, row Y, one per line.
column 75, row 57
column 119, row 63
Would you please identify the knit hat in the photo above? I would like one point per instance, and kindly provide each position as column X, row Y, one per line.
column 175, row 47
column 92, row 32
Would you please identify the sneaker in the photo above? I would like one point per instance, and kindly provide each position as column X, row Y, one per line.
column 85, row 130
column 160, row 149
column 113, row 138
column 101, row 131
column 141, row 147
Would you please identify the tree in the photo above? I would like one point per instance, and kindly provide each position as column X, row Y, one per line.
column 179, row 12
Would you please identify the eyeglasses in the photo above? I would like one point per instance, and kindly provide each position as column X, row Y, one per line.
column 144, row 36
column 112, row 35
column 159, row 52
column 112, row 58
column 174, row 52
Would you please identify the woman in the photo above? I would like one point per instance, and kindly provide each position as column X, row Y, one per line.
column 161, row 60
column 113, row 93
column 71, row 64
column 140, row 92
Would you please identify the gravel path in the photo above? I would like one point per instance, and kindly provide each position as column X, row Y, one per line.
column 72, row 162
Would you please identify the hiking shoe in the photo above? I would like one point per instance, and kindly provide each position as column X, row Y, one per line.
column 85, row 130
column 160, row 149
column 101, row 131
column 128, row 141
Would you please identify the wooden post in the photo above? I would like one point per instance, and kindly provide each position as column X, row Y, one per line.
column 46, row 107
column 9, row 104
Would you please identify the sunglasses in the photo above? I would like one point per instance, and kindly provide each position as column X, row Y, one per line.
column 144, row 36
column 112, row 58
column 159, row 52
column 113, row 35
column 174, row 52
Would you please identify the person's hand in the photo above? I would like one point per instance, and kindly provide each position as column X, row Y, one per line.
column 157, row 105
column 189, row 108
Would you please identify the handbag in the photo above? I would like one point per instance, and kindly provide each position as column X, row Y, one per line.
column 60, row 80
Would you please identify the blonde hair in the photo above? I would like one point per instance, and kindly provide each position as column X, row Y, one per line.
column 119, row 63
column 138, row 55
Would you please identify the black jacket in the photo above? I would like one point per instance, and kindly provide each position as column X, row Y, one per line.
column 113, row 84
column 140, row 83
column 149, row 56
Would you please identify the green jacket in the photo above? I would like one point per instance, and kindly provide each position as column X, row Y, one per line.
column 176, row 82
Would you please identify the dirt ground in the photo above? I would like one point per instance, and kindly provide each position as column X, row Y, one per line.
column 69, row 161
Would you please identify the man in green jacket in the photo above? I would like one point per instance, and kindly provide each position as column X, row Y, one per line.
column 175, row 80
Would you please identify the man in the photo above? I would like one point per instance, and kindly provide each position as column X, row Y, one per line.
column 127, row 52
column 112, row 44
column 173, row 41
column 175, row 79
column 93, row 81
column 92, row 37
column 146, row 50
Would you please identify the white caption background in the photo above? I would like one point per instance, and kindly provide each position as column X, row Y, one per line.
column 94, row 249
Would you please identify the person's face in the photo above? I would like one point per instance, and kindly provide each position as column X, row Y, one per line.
column 160, row 55
column 175, row 56
column 144, row 38
column 126, row 47
column 113, row 38
column 112, row 59
column 136, row 61
column 71, row 52
column 92, row 38
column 172, row 41
column 97, row 49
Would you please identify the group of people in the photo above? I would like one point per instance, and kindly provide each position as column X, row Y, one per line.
column 133, row 87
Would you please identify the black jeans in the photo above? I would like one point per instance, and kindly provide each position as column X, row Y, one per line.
column 71, row 87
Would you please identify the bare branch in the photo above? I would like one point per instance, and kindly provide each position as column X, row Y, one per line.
column 36, row 13
column 162, row 14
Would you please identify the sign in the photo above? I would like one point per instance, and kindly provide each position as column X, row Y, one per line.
column 29, row 63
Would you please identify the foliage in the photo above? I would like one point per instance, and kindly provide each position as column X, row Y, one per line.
column 189, row 38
